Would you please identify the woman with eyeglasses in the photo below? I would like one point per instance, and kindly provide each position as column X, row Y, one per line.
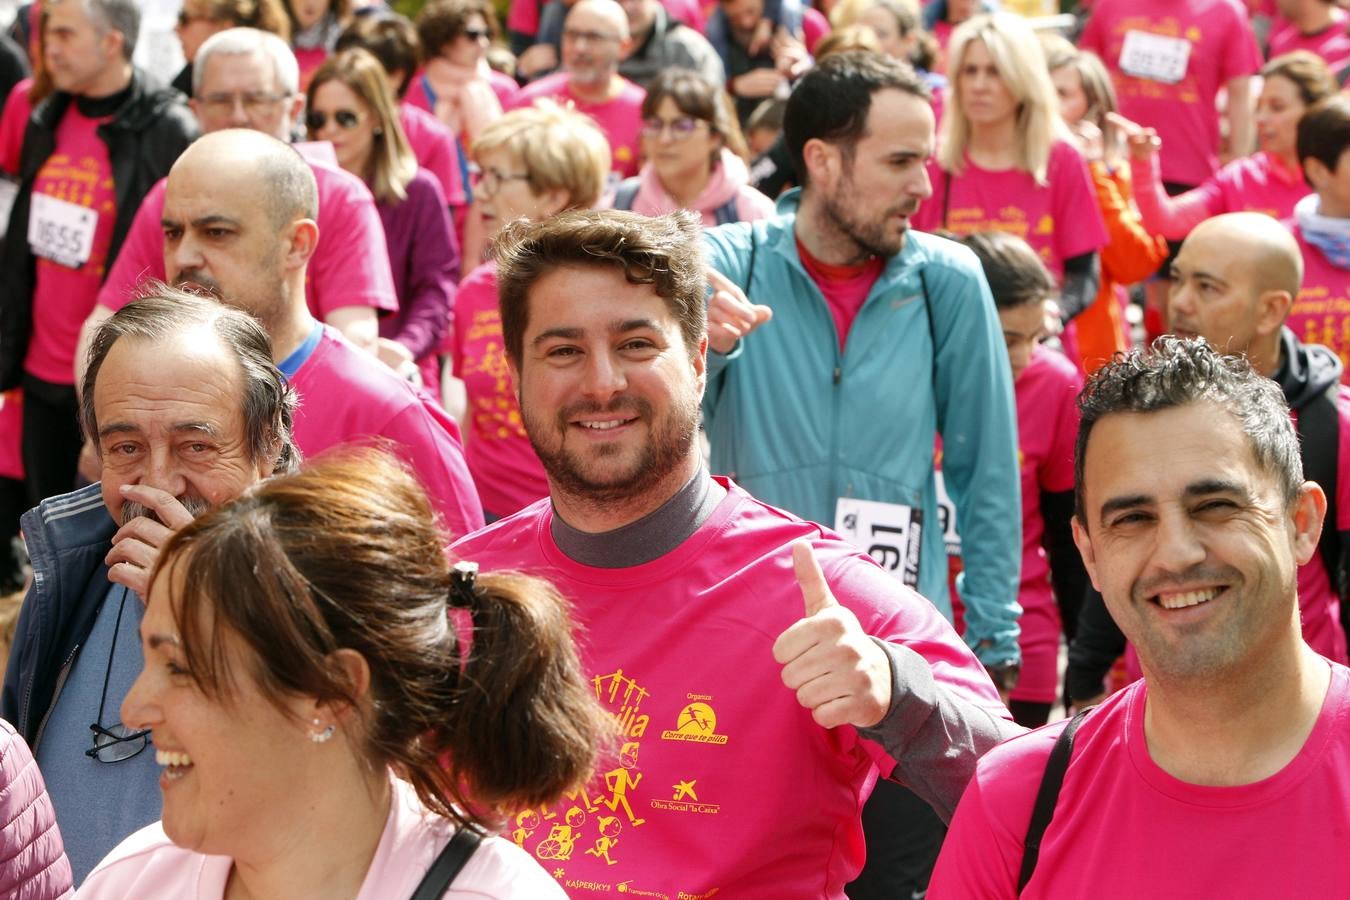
column 695, row 155
column 350, row 104
column 336, row 707
column 534, row 163
column 456, row 83
column 199, row 19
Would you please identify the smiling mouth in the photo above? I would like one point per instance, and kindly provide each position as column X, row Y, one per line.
column 605, row 426
column 175, row 764
column 1187, row 599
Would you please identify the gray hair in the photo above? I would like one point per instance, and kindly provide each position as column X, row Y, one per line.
column 1174, row 372
column 241, row 41
column 160, row 311
column 122, row 16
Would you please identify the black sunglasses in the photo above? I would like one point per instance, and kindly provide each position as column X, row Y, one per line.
column 477, row 34
column 345, row 119
column 114, row 743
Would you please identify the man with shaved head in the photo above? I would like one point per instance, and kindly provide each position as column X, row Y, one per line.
column 238, row 223
column 1233, row 283
column 595, row 37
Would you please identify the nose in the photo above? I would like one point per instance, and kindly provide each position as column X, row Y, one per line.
column 140, row 709
column 162, row 471
column 1019, row 355
column 182, row 256
column 604, row 379
column 238, row 114
column 1177, row 544
column 922, row 187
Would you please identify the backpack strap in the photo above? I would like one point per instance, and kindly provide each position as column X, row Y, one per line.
column 1319, row 438
column 727, row 213
column 447, row 865
column 1047, row 796
column 626, row 192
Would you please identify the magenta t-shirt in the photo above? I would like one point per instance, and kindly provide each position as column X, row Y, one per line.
column 1123, row 827
column 78, row 173
column 350, row 266
column 1180, row 53
column 13, row 121
column 620, row 119
column 508, row 474
column 436, row 150
column 1047, row 426
column 349, row 397
column 11, row 434
column 723, row 783
column 1060, row 219
column 1331, row 43
column 1321, row 312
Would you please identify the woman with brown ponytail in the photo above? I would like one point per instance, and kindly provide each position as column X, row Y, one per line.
column 333, row 703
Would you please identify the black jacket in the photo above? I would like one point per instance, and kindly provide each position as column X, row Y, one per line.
column 144, row 138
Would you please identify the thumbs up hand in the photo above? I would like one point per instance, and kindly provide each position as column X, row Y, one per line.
column 837, row 671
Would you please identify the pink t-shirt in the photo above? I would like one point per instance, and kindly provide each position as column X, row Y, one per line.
column 522, row 16
column 1331, row 43
column 1210, row 41
column 309, row 60
column 1060, row 219
column 1123, row 827
column 349, row 397
column 620, row 119
column 78, row 173
column 724, row 783
column 687, row 12
column 13, row 122
column 350, row 266
column 845, row 288
column 1256, row 183
column 1321, row 312
column 11, row 434
column 148, row 864
column 1319, row 606
column 1047, row 426
column 436, row 150
column 504, row 466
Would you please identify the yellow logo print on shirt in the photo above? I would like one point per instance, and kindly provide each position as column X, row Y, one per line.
column 697, row 723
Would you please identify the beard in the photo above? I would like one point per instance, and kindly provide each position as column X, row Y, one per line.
column 601, row 474
column 131, row 509
column 870, row 237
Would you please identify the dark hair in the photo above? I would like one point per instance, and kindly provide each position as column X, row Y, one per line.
column 441, row 21
column 347, row 554
column 1307, row 71
column 1174, row 372
column 340, row 10
column 390, row 38
column 1015, row 273
column 1324, row 132
column 831, row 101
column 663, row 251
column 264, row 15
column 159, row 312
column 694, row 95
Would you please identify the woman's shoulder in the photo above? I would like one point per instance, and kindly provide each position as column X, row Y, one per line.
column 149, row 860
column 498, row 868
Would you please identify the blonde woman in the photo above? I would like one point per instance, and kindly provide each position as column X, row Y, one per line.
column 1006, row 161
column 534, row 163
column 351, row 104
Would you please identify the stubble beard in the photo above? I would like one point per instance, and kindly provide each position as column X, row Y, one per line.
column 869, row 238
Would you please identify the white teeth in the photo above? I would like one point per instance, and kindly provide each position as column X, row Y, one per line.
column 172, row 758
column 601, row 426
column 1192, row 598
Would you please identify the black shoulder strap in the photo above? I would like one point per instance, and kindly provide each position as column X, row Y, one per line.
column 625, row 192
column 946, row 196
column 727, row 212
column 1319, row 436
column 447, row 865
column 1047, row 797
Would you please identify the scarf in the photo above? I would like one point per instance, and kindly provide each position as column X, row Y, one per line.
column 1331, row 236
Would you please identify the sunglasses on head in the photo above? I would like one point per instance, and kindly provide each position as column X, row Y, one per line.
column 345, row 119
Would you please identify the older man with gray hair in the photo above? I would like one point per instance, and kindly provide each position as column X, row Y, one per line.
column 91, row 151
column 187, row 411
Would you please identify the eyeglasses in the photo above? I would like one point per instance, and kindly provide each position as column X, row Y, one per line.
column 490, row 180
column 593, row 37
column 114, row 743
column 477, row 34
column 680, row 128
column 253, row 102
column 346, row 119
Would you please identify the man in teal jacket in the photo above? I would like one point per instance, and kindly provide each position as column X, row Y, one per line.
column 871, row 341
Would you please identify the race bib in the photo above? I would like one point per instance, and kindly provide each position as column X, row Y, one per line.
column 1155, row 56
column 890, row 533
column 60, row 231
column 947, row 517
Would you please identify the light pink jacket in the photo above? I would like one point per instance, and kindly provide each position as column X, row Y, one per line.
column 34, row 863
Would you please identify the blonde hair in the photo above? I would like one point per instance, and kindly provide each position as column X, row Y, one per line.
column 1020, row 61
column 560, row 148
column 392, row 163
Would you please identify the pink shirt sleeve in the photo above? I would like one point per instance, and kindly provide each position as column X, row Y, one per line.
column 1172, row 217
column 1057, row 474
column 13, row 122
column 1078, row 218
column 1343, row 462
column 430, row 440
column 142, row 253
column 1242, row 54
column 350, row 267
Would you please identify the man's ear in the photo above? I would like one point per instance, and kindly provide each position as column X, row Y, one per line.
column 302, row 239
column 823, row 162
column 1316, row 172
column 1272, row 308
column 1083, row 541
column 1310, row 509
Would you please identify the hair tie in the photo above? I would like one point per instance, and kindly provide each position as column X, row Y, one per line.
column 463, row 584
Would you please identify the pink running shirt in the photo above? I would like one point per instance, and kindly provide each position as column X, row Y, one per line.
column 13, row 121
column 620, row 119
column 436, row 150
column 1331, row 43
column 1321, row 312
